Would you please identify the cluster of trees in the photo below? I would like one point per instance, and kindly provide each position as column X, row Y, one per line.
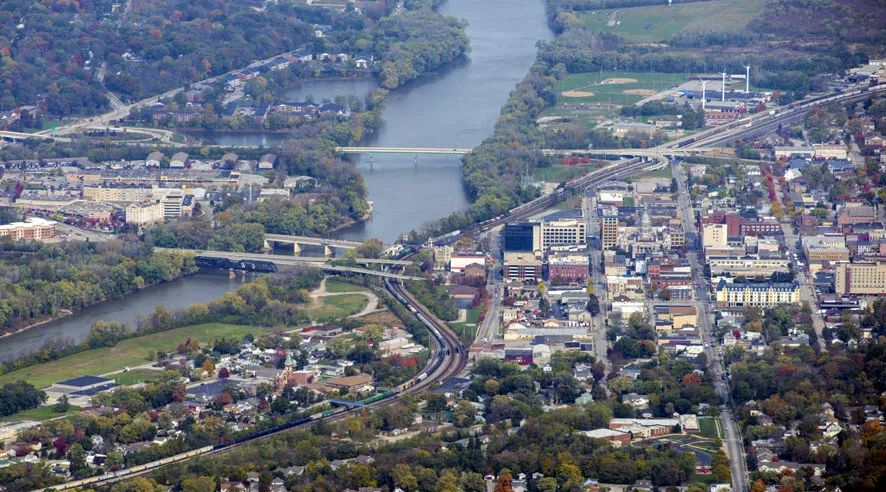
column 552, row 444
column 435, row 297
column 637, row 337
column 792, row 385
column 416, row 43
column 18, row 396
column 178, row 42
column 41, row 280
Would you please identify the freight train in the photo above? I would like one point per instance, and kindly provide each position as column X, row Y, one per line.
column 248, row 265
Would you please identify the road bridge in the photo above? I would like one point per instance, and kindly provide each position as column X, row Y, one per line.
column 283, row 259
column 295, row 241
column 402, row 150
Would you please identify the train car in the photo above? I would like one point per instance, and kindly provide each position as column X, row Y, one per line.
column 422, row 376
column 260, row 266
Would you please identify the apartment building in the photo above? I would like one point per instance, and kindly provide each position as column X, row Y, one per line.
column 144, row 213
column 33, row 229
column 115, row 194
column 756, row 294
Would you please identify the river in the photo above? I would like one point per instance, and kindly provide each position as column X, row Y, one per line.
column 456, row 107
column 178, row 294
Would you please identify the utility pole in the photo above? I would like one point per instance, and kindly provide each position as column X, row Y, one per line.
column 723, row 88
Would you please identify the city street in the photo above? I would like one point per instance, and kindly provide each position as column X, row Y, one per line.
column 732, row 437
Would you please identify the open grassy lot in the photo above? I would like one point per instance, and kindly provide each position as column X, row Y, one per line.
column 665, row 172
column 341, row 286
column 334, row 307
column 710, row 427
column 127, row 353
column 467, row 330
column 136, row 376
column 660, row 23
column 39, row 414
column 621, row 88
column 558, row 173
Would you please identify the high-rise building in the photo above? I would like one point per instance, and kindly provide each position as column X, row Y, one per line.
column 172, row 204
column 860, row 278
column 522, row 237
column 609, row 228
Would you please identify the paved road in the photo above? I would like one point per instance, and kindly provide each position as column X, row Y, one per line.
column 489, row 329
column 732, row 437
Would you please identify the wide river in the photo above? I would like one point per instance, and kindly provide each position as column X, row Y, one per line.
column 456, row 107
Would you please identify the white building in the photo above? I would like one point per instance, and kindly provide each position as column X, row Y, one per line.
column 144, row 213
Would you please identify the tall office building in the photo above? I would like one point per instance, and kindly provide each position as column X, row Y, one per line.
column 564, row 232
column 522, row 237
column 860, row 278
column 609, row 227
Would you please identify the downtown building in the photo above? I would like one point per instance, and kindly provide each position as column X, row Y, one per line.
column 860, row 278
column 764, row 294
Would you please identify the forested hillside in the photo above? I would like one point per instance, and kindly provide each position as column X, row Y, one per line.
column 52, row 50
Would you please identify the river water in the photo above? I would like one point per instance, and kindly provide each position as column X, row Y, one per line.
column 456, row 107
column 178, row 294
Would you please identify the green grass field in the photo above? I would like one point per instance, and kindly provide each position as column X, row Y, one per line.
column 710, row 427
column 659, row 23
column 39, row 414
column 665, row 172
column 558, row 173
column 468, row 329
column 334, row 307
column 127, row 353
column 621, row 88
column 136, row 376
column 340, row 286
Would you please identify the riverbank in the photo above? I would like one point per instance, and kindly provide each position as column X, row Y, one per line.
column 67, row 313
column 40, row 322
